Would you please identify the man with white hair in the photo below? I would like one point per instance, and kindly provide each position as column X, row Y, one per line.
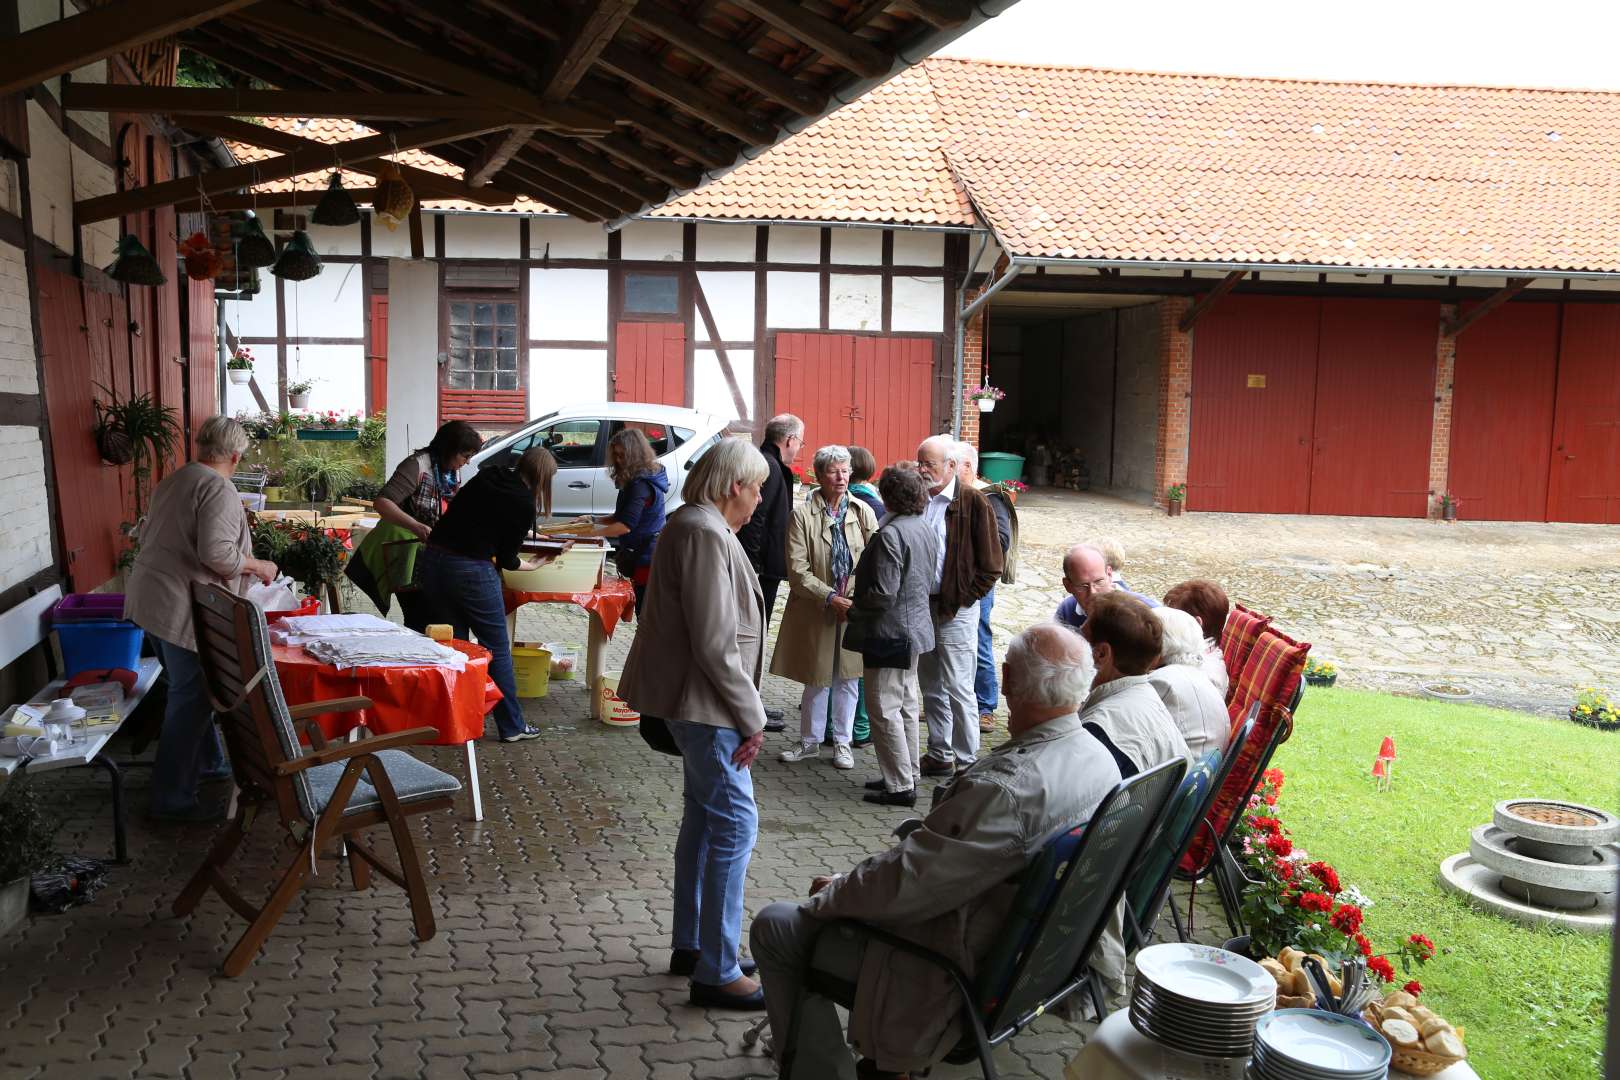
column 969, row 563
column 985, row 690
column 945, row 886
column 1195, row 705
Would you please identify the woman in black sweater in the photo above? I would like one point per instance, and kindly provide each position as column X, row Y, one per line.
column 477, row 538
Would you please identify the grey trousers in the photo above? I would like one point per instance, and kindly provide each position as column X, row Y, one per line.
column 785, row 943
column 947, row 676
column 1108, row 960
column 891, row 701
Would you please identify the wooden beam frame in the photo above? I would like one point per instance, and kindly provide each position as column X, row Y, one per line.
column 576, row 185
column 308, row 104
column 106, row 207
column 1463, row 320
column 601, row 169
column 660, row 81
column 494, row 154
column 650, row 161
column 593, row 33
column 1209, row 300
column 945, row 14
column 662, row 129
column 59, row 47
column 740, row 64
column 825, row 36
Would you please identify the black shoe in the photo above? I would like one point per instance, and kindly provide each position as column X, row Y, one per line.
column 892, row 798
column 684, row 962
column 932, row 766
column 774, row 720
column 705, row 996
column 528, row 732
column 877, row 785
column 861, row 743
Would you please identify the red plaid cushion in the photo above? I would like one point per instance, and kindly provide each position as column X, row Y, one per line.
column 1234, row 794
column 1270, row 675
column 1242, row 630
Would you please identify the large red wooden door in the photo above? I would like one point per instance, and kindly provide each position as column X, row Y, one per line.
column 1499, row 454
column 1254, row 385
column 1584, row 481
column 377, row 360
column 1374, row 407
column 894, row 379
column 202, row 354
column 815, row 381
column 649, row 363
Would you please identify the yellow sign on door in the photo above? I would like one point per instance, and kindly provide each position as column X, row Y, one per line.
column 1257, row 382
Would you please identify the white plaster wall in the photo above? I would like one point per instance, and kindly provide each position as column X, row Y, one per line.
column 90, row 179
column 338, row 372
column 913, row 247
column 731, row 301
column 25, row 527
column 17, row 369
column 567, row 238
column 795, row 243
column 725, row 243
column 710, row 393
column 413, row 355
column 918, row 304
column 792, row 300
column 855, row 302
column 255, row 317
column 48, row 183
column 482, row 236
column 562, row 377
column 396, row 244
column 568, row 305
column 330, row 240
column 651, row 240
column 859, row 247
column 330, row 304
column 987, row 261
column 10, row 190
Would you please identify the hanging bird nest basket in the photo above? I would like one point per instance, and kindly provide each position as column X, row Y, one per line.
column 134, row 265
column 336, row 208
column 298, row 260
column 394, row 197
column 201, row 260
column 254, row 249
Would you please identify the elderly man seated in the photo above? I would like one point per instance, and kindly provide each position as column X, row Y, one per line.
column 944, row 886
column 1195, row 705
column 1086, row 576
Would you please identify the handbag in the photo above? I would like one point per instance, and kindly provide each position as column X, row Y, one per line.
column 655, row 733
column 887, row 653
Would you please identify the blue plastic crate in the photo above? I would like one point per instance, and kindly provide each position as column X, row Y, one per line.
column 95, row 646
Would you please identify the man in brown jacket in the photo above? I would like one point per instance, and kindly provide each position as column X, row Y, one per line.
column 970, row 563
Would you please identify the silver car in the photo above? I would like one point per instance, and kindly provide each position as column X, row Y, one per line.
column 578, row 438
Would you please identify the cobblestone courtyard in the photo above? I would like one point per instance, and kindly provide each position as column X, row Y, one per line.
column 553, row 913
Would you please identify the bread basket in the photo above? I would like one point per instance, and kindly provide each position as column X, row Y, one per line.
column 1414, row 1061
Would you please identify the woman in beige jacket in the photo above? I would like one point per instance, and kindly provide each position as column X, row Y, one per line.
column 196, row 531
column 826, row 536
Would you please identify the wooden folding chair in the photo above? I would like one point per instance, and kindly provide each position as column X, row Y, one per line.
column 329, row 793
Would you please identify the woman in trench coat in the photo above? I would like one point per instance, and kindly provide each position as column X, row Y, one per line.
column 826, row 536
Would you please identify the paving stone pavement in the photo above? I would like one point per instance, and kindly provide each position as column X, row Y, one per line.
column 553, row 913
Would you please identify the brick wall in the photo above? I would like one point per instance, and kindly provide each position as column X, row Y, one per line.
column 972, row 368
column 1445, row 360
column 1175, row 398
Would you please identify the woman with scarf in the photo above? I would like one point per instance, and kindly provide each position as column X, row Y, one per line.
column 826, row 536
column 410, row 504
column 638, row 514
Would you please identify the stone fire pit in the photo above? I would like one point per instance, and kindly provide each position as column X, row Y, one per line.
column 1542, row 862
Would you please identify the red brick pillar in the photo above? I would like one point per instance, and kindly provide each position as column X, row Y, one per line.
column 1445, row 365
column 972, row 368
column 1175, row 398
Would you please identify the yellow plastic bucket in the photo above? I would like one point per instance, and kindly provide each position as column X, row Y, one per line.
column 614, row 712
column 531, row 664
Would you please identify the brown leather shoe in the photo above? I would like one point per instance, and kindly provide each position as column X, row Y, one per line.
column 987, row 722
column 932, row 766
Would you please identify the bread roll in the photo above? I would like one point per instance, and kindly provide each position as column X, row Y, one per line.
column 1431, row 1026
column 1399, row 997
column 1446, row 1044
column 1400, row 1032
column 1274, row 969
column 1291, row 958
column 1395, row 1012
column 1421, row 1013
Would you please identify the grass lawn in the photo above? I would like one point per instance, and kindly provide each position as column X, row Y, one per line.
column 1532, row 1001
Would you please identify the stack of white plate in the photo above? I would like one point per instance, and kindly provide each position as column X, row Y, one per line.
column 1304, row 1044
column 1199, row 999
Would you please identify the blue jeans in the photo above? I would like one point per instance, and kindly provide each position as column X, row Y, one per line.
column 985, row 687
column 466, row 593
column 718, row 825
column 188, row 746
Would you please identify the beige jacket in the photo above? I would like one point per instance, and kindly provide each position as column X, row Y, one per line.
column 699, row 649
column 945, row 885
column 805, row 641
column 195, row 531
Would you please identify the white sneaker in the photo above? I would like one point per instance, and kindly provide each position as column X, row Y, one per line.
column 802, row 752
column 843, row 757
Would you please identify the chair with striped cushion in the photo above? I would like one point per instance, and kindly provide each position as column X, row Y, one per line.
column 1272, row 675
column 1243, row 628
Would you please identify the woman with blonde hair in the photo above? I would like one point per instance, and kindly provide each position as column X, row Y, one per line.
column 478, row 537
column 638, row 514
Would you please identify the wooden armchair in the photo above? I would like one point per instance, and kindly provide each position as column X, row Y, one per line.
column 328, row 793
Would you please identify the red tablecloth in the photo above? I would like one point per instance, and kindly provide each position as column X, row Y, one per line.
column 453, row 701
column 614, row 600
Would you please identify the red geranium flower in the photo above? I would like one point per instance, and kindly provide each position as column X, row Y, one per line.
column 1279, row 845
column 1274, row 777
column 1266, row 824
column 1285, row 869
column 1380, row 966
column 1315, row 901
column 1326, row 875
column 1414, row 988
column 1346, row 919
column 1422, row 946
column 1364, row 945
column 1271, row 799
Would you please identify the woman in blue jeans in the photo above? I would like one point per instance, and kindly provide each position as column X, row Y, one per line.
column 477, row 538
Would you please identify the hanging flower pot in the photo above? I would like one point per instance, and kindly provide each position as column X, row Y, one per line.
column 134, row 265
column 201, row 260
column 987, row 404
column 254, row 249
column 298, row 394
column 336, row 206
column 114, row 446
column 298, row 260
column 394, row 197
column 985, row 397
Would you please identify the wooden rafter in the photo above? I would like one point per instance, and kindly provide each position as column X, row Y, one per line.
column 271, row 200
column 742, row 65
column 569, row 187
column 600, row 169
column 945, row 14
column 665, row 130
column 596, row 27
column 306, row 104
column 1463, row 320
column 650, row 161
column 107, row 207
column 59, row 47
column 1209, row 300
column 494, row 154
column 706, row 106
column 833, row 41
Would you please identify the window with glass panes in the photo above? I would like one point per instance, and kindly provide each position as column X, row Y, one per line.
column 483, row 352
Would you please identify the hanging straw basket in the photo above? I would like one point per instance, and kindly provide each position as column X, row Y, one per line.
column 394, row 197
column 336, row 208
column 134, row 265
column 298, row 260
column 254, row 249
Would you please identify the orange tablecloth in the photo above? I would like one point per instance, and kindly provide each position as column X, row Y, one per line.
column 614, row 600
column 453, row 701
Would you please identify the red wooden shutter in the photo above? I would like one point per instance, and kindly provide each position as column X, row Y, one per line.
column 649, row 363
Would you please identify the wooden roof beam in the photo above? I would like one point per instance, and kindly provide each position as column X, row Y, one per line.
column 494, row 155
column 711, row 153
column 1458, row 323
column 649, row 161
column 594, row 31
column 825, row 36
column 310, row 104
column 693, row 100
column 59, row 47
column 168, row 192
column 568, row 188
column 1209, row 300
column 945, row 14
column 740, row 64
column 601, row 169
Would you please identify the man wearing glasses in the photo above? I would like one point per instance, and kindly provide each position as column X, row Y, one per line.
column 1086, row 577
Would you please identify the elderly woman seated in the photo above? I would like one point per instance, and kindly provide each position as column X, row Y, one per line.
column 1206, row 601
column 1198, row 709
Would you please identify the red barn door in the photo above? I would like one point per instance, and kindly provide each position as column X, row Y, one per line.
column 649, row 363
column 1500, row 451
column 815, row 381
column 894, row 378
column 1584, row 482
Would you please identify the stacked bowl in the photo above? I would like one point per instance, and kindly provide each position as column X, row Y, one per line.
column 1307, row 1044
column 1199, row 999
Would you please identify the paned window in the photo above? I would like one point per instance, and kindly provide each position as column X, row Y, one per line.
column 483, row 353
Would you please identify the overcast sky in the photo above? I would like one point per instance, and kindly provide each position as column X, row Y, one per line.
column 1563, row 43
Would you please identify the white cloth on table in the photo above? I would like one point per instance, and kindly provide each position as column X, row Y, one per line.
column 384, row 650
column 302, row 629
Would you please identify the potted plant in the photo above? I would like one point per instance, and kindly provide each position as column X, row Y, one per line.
column 313, row 557
column 1175, row 498
column 330, row 425
column 240, row 366
column 136, row 431
column 317, row 475
column 1595, row 709
column 274, row 477
column 298, row 393
column 1011, row 488
column 1320, row 672
column 25, row 849
column 985, row 396
column 1448, row 507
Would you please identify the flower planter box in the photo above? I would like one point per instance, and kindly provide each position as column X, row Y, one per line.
column 1321, row 680
column 329, row 434
column 1600, row 721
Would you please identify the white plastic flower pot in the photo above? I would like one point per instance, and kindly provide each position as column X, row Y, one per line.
column 986, row 404
column 240, row 376
column 298, row 401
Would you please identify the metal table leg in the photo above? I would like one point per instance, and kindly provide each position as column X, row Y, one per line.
column 472, row 779
column 116, row 775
